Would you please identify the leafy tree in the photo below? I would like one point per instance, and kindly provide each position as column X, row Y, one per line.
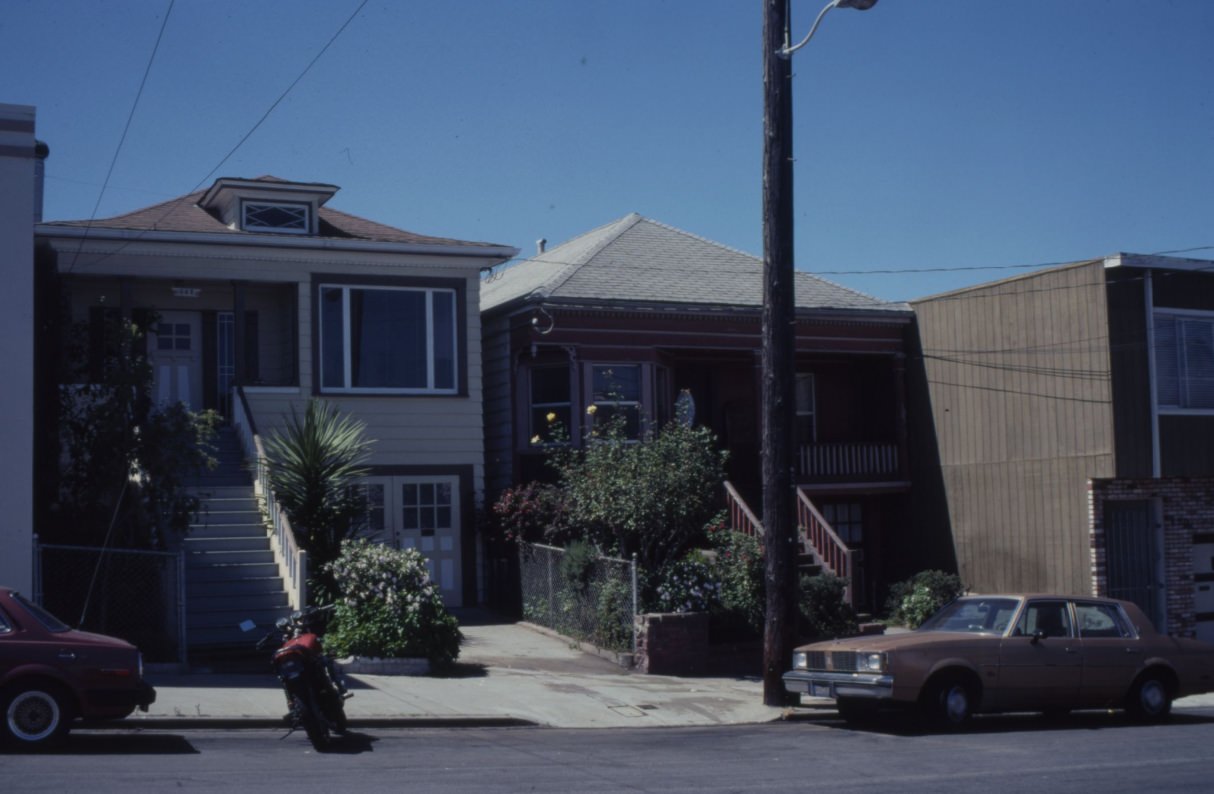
column 314, row 463
column 652, row 497
column 125, row 463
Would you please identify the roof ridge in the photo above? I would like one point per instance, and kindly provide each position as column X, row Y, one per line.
column 694, row 236
column 570, row 269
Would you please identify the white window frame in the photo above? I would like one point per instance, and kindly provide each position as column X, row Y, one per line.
column 347, row 366
column 1191, row 315
column 248, row 226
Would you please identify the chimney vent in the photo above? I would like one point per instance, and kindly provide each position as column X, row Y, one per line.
column 540, row 245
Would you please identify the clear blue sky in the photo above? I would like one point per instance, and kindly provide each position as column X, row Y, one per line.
column 929, row 133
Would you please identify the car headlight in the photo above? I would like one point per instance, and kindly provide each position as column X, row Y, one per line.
column 870, row 662
column 800, row 660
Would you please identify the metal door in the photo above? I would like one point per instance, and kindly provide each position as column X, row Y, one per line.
column 1132, row 542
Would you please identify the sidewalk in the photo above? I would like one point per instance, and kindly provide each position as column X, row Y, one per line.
column 508, row 674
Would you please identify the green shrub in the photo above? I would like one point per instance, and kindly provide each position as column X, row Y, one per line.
column 916, row 599
column 741, row 571
column 824, row 612
column 388, row 606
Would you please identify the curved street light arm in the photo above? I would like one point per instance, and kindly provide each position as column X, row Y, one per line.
column 859, row 5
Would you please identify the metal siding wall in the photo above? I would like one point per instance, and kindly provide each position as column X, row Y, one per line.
column 1019, row 379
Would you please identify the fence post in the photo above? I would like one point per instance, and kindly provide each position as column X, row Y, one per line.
column 181, row 609
column 634, row 602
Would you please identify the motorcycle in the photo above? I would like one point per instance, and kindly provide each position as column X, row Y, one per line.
column 313, row 683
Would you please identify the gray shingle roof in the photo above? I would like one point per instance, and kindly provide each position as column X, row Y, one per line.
column 635, row 260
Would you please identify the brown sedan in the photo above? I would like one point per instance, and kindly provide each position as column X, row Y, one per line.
column 993, row 653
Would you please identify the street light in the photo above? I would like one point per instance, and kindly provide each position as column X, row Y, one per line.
column 779, row 338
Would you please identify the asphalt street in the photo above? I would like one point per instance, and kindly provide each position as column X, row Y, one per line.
column 1086, row 752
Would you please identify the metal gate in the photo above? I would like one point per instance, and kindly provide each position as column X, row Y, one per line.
column 1133, row 545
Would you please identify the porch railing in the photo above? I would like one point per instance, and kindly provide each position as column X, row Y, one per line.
column 848, row 460
column 818, row 538
column 292, row 560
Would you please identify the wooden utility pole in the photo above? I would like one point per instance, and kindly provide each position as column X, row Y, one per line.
column 779, row 537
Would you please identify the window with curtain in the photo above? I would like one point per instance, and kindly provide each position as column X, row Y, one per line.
column 388, row 339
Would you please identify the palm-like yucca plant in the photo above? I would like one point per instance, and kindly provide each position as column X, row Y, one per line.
column 312, row 463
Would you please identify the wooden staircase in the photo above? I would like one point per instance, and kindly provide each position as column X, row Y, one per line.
column 230, row 571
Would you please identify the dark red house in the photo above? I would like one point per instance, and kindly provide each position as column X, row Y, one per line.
column 630, row 315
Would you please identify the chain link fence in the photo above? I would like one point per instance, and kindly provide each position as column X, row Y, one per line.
column 136, row 595
column 591, row 599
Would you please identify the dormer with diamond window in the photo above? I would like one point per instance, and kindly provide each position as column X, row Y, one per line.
column 266, row 206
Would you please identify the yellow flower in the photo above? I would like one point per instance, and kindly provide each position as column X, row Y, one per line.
column 592, row 409
column 551, row 416
column 536, row 439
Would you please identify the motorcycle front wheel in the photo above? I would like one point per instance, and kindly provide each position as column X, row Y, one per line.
column 314, row 724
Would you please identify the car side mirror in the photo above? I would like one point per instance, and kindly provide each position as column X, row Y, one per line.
column 1038, row 635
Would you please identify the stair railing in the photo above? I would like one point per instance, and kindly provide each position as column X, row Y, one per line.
column 820, row 540
column 741, row 518
column 291, row 558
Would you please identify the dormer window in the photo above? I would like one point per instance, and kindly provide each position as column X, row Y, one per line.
column 276, row 217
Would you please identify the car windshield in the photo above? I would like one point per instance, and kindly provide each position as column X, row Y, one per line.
column 48, row 621
column 976, row 615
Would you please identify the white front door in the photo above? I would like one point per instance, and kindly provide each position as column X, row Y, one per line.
column 428, row 520
column 175, row 351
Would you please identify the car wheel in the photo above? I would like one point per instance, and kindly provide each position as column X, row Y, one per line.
column 35, row 716
column 1150, row 700
column 950, row 702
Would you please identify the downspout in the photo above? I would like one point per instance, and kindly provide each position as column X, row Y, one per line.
column 1149, row 299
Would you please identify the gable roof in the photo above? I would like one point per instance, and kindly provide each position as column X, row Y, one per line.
column 185, row 214
column 635, row 261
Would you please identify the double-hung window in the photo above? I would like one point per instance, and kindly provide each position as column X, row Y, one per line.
column 393, row 340
column 551, row 404
column 616, row 395
column 1184, row 361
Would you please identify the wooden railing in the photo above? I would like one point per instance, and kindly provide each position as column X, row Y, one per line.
column 741, row 519
column 848, row 460
column 818, row 538
column 292, row 560
column 815, row 536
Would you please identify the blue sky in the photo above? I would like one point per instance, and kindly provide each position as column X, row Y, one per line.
column 929, row 134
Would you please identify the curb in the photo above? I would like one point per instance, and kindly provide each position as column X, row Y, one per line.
column 265, row 723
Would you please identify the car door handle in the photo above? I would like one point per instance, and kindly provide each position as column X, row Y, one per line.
column 67, row 656
column 1133, row 650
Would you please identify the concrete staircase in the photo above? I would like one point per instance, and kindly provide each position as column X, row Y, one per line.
column 231, row 575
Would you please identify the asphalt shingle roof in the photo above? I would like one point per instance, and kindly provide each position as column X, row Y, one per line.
column 183, row 214
column 635, row 260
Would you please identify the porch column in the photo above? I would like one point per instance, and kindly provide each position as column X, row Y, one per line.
column 238, row 332
column 900, row 428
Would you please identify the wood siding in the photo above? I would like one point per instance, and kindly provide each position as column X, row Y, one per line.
column 1019, row 382
column 499, row 411
column 433, row 431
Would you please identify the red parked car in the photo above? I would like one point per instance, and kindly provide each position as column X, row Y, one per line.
column 51, row 675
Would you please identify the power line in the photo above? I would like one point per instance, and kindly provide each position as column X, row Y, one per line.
column 125, row 129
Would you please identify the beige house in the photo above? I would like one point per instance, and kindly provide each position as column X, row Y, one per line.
column 261, row 296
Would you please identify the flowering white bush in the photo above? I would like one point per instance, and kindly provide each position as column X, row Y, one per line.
column 388, row 606
column 691, row 584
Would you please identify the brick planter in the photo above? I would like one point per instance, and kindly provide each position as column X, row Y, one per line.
column 672, row 643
